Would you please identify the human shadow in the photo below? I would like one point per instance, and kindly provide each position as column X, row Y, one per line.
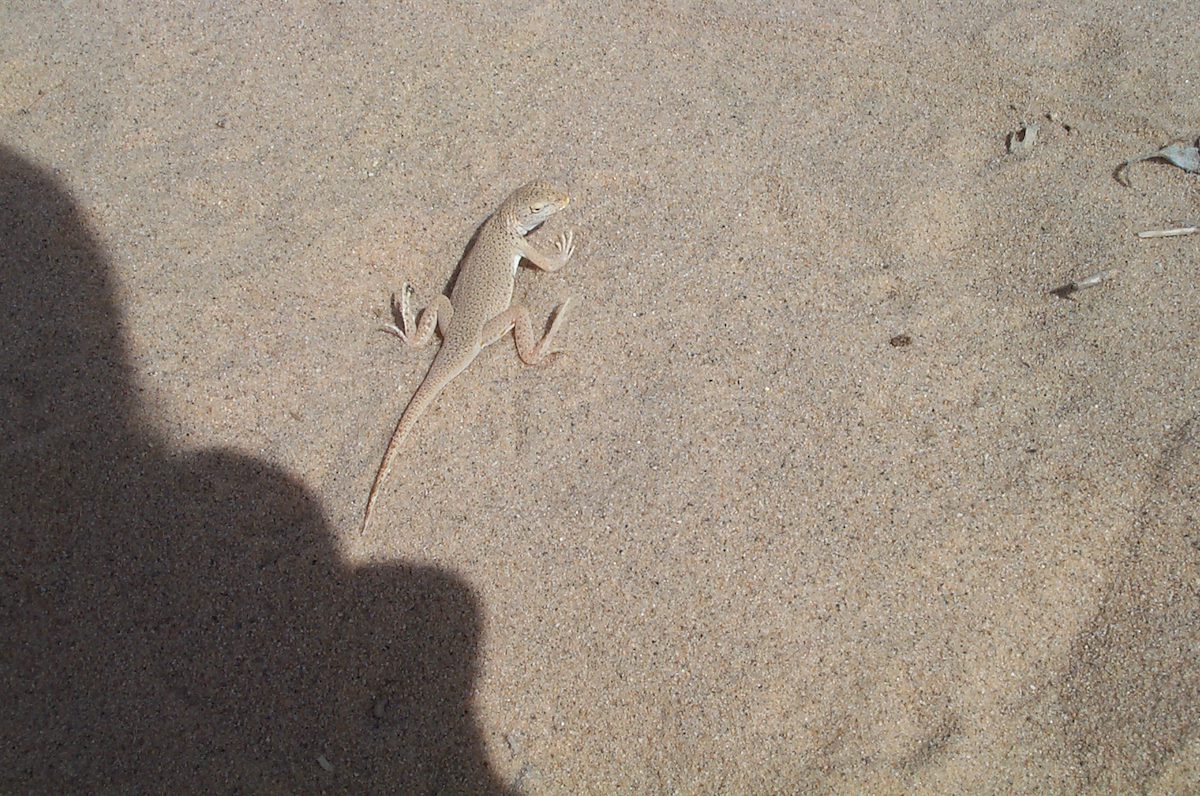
column 178, row 622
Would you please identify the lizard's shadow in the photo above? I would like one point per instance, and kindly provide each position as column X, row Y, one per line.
column 180, row 621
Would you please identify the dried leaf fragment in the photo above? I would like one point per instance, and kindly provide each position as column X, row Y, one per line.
column 1181, row 155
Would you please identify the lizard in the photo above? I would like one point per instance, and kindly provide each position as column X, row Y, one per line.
column 480, row 310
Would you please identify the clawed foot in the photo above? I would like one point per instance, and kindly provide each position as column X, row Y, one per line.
column 401, row 312
column 565, row 245
column 393, row 329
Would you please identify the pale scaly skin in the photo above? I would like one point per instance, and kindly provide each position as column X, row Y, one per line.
column 480, row 310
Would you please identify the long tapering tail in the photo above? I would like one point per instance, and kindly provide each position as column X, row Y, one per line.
column 417, row 405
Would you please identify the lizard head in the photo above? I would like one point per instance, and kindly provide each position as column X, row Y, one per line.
column 531, row 204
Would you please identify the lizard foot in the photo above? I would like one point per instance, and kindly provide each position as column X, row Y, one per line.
column 417, row 333
column 516, row 318
column 565, row 245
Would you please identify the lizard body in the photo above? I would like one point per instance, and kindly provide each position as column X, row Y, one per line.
column 479, row 310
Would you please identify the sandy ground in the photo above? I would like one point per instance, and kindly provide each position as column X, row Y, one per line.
column 742, row 539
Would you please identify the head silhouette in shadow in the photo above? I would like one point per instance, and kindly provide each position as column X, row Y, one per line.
column 181, row 622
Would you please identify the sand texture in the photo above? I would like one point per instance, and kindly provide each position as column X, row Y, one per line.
column 833, row 493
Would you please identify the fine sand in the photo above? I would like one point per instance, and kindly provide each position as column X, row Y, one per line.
column 832, row 493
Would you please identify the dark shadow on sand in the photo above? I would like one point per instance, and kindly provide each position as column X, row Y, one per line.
column 181, row 622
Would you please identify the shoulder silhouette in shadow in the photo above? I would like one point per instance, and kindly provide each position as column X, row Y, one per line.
column 181, row 622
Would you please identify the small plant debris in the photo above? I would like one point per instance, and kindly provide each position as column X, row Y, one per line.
column 1181, row 155
column 1174, row 232
column 1065, row 291
column 1023, row 140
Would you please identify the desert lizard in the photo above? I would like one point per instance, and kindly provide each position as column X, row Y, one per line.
column 479, row 310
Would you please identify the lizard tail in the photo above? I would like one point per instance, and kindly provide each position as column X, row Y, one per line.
column 417, row 405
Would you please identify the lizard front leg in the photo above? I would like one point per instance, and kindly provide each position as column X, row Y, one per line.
column 516, row 318
column 564, row 247
column 438, row 313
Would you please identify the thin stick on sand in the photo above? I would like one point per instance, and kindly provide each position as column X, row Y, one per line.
column 1168, row 233
column 1083, row 284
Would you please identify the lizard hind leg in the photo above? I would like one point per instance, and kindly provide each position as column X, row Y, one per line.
column 419, row 333
column 516, row 318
